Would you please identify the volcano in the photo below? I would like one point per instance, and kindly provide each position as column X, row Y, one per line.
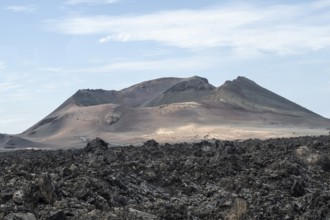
column 174, row 110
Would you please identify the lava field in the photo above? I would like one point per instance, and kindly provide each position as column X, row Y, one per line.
column 286, row 178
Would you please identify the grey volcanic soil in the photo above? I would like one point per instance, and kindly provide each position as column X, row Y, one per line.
column 252, row 179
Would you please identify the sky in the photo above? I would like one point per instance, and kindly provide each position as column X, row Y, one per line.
column 50, row 49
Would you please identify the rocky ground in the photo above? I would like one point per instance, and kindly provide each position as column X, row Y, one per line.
column 252, row 179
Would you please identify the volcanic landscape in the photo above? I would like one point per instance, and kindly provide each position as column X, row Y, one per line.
column 170, row 148
column 170, row 110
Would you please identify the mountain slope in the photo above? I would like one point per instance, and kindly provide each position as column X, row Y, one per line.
column 140, row 94
column 16, row 142
column 248, row 95
column 193, row 89
column 176, row 109
column 135, row 95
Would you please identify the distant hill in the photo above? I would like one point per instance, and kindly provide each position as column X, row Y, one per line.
column 176, row 109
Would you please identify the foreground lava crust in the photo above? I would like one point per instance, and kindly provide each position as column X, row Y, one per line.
column 252, row 179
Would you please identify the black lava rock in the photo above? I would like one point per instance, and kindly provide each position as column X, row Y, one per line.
column 252, row 179
column 96, row 146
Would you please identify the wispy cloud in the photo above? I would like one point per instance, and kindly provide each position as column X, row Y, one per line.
column 12, row 88
column 248, row 29
column 90, row 2
column 166, row 65
column 15, row 87
column 2, row 65
column 11, row 120
column 105, row 39
column 326, row 88
column 50, row 69
column 6, row 86
column 22, row 8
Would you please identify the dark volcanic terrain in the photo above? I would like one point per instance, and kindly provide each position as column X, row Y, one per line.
column 252, row 179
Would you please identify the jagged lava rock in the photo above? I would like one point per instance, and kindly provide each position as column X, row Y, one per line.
column 251, row 179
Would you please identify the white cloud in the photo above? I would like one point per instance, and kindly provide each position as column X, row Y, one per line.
column 280, row 29
column 22, row 8
column 105, row 39
column 91, row 2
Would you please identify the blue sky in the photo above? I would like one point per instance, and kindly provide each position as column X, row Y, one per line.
column 50, row 49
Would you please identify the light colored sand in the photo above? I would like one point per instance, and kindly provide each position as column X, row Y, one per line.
column 187, row 133
column 195, row 132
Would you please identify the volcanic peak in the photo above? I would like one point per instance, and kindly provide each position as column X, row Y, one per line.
column 171, row 107
column 192, row 83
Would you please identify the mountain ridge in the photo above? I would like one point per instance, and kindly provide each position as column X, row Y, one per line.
column 257, row 98
column 171, row 108
column 138, row 95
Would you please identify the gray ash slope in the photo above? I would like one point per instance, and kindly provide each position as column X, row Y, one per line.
column 136, row 95
column 248, row 95
column 14, row 142
column 194, row 89
column 239, row 92
column 238, row 97
column 252, row 179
